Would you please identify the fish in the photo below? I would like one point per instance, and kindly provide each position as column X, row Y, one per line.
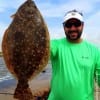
column 26, row 47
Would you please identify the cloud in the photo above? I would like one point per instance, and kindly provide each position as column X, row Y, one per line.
column 57, row 10
column 53, row 10
column 12, row 4
column 91, row 15
column 92, row 27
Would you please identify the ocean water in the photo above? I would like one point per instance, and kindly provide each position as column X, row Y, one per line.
column 6, row 75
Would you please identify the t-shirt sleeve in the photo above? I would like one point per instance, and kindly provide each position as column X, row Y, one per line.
column 53, row 48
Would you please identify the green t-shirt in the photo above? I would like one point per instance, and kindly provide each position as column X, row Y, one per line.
column 74, row 67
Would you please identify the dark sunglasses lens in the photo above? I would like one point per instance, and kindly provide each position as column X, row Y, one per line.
column 70, row 24
column 77, row 24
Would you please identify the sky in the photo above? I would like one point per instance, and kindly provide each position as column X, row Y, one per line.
column 53, row 12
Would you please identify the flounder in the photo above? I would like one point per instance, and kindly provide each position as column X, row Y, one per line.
column 25, row 47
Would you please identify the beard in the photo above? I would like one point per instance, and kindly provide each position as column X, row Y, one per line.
column 73, row 35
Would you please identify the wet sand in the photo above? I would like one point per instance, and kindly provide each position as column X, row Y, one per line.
column 36, row 86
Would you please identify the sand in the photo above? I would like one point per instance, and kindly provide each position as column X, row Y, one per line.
column 36, row 86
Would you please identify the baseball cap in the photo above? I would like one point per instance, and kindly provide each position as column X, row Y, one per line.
column 73, row 14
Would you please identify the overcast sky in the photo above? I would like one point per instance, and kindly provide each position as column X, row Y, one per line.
column 53, row 12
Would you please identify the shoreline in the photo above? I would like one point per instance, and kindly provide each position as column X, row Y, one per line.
column 7, row 87
column 7, row 83
column 36, row 85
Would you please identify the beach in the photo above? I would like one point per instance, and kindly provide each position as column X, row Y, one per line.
column 8, row 83
column 36, row 85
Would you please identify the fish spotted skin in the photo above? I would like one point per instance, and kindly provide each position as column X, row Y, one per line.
column 25, row 47
column 25, row 43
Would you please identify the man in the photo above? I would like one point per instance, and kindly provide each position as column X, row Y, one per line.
column 75, row 62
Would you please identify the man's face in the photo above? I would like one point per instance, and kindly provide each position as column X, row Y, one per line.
column 73, row 29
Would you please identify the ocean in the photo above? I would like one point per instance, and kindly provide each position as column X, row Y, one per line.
column 4, row 73
column 6, row 78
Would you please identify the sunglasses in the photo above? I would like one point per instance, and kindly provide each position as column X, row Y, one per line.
column 70, row 24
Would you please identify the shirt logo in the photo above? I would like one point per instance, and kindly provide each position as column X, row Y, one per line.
column 85, row 57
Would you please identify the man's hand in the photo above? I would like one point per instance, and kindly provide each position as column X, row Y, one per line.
column 41, row 94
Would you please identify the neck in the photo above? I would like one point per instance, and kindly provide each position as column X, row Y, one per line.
column 75, row 41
